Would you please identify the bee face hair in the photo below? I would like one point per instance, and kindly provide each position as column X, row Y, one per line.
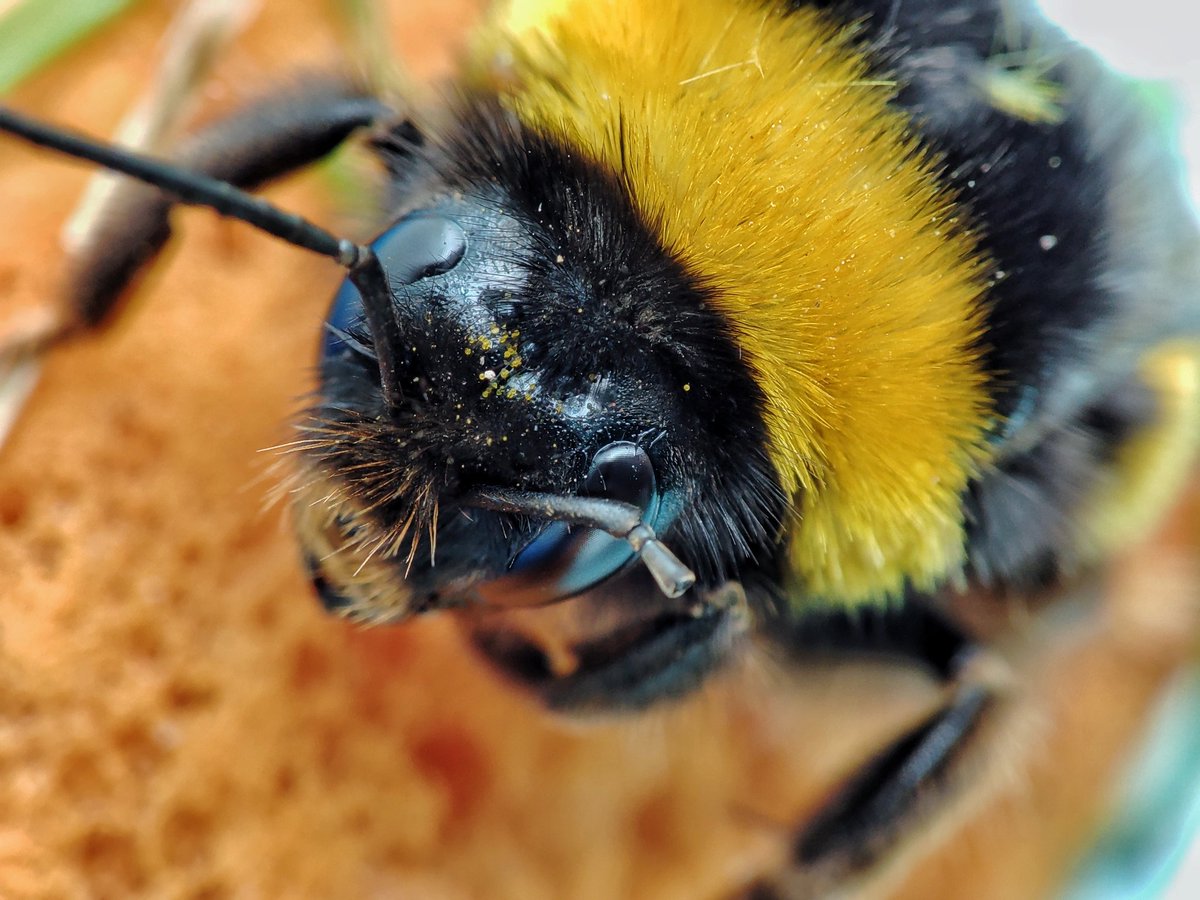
column 560, row 326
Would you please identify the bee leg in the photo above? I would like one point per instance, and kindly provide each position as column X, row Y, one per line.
column 912, row 632
column 864, row 818
column 279, row 134
column 910, row 779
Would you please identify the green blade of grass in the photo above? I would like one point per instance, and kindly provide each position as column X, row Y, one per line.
column 34, row 32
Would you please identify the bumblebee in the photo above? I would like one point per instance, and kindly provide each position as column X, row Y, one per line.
column 692, row 323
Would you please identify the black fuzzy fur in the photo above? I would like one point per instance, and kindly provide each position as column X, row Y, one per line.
column 602, row 311
column 1067, row 320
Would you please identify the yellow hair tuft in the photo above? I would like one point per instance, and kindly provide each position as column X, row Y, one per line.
column 764, row 153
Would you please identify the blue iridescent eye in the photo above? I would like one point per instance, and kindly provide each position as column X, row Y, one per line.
column 563, row 560
column 421, row 245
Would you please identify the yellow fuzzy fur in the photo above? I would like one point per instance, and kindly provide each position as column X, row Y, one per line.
column 1154, row 464
column 759, row 149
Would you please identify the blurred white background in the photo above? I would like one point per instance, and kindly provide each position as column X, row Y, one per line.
column 1157, row 39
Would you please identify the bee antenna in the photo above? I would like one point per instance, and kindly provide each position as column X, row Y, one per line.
column 622, row 520
column 196, row 189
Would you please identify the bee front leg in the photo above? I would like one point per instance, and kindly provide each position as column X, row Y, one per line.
column 912, row 781
column 279, row 134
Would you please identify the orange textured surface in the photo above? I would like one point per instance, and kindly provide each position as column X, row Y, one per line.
column 179, row 719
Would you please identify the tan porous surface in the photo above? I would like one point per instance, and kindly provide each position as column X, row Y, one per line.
column 178, row 718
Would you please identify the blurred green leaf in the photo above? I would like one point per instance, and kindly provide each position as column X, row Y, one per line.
column 35, row 32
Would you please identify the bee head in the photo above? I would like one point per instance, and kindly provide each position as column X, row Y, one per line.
column 545, row 346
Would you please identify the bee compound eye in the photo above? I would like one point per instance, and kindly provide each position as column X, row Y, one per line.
column 569, row 560
column 622, row 471
column 419, row 246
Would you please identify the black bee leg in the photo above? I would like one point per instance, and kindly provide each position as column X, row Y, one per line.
column 281, row 133
column 277, row 135
column 912, row 632
column 911, row 778
column 865, row 816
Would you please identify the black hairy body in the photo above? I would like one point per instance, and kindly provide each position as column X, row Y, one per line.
column 551, row 335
